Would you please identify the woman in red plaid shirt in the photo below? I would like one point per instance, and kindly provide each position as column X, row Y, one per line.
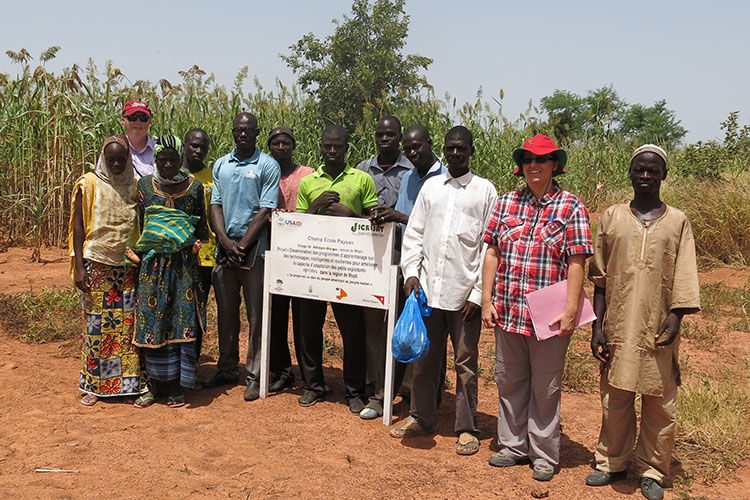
column 536, row 236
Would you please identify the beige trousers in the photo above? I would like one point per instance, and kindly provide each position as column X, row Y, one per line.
column 653, row 451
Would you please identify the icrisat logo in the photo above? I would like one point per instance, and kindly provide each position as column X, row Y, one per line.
column 360, row 227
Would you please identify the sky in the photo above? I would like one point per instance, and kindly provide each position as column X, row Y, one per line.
column 693, row 54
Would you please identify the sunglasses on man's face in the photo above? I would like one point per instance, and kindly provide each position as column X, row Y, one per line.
column 526, row 160
column 137, row 116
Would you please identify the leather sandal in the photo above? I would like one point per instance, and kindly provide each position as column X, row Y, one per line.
column 467, row 444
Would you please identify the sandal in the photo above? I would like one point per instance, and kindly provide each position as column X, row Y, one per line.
column 144, row 400
column 176, row 401
column 467, row 444
column 89, row 399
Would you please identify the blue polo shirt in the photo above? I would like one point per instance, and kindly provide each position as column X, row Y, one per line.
column 412, row 183
column 242, row 188
column 410, row 186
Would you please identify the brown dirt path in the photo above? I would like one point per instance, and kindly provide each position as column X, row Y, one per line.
column 219, row 446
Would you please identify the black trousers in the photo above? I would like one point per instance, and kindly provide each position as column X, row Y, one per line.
column 281, row 360
column 351, row 324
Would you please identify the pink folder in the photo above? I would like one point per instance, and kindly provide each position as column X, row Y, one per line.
column 548, row 303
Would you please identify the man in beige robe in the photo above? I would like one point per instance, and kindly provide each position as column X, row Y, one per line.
column 646, row 279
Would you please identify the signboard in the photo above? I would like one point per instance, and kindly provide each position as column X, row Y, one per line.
column 337, row 259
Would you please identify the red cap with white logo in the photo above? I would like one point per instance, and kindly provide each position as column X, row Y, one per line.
column 132, row 107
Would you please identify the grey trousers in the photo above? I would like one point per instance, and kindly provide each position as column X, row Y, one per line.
column 228, row 282
column 465, row 338
column 529, row 377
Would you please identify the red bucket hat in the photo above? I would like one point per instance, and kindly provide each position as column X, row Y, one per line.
column 136, row 107
column 540, row 145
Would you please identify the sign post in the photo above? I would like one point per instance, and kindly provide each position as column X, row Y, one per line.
column 334, row 259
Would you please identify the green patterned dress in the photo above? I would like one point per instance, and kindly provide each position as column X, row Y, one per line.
column 170, row 299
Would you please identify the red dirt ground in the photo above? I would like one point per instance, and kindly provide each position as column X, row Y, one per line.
column 219, row 446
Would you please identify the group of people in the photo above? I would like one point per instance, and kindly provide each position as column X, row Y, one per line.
column 144, row 256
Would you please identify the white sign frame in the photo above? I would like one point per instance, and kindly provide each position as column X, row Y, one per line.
column 326, row 234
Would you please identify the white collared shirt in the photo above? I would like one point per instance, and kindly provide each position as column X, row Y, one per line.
column 442, row 245
column 143, row 160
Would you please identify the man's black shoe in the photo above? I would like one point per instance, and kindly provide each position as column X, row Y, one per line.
column 252, row 392
column 603, row 478
column 651, row 489
column 281, row 383
column 309, row 398
column 217, row 381
column 356, row 405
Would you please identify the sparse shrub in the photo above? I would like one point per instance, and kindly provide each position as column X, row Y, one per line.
column 488, row 360
column 741, row 325
column 581, row 369
column 713, row 423
column 717, row 299
column 47, row 316
column 719, row 212
column 712, row 159
column 705, row 335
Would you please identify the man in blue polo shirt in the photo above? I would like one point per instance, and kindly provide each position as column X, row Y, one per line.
column 246, row 190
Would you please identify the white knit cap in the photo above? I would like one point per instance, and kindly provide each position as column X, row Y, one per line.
column 650, row 148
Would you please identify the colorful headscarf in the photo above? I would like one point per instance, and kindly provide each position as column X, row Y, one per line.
column 126, row 177
column 169, row 142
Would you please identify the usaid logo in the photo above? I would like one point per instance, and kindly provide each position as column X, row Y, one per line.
column 361, row 227
column 280, row 221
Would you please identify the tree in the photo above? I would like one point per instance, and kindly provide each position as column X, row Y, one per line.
column 573, row 116
column 655, row 124
column 361, row 64
column 602, row 112
column 566, row 113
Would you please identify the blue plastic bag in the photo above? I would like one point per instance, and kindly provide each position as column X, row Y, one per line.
column 410, row 340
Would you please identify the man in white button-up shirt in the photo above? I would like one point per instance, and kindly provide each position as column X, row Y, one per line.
column 443, row 251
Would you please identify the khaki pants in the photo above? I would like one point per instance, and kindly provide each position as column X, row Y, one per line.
column 656, row 440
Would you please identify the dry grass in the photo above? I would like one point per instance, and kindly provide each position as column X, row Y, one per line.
column 704, row 335
column 719, row 211
column 48, row 316
column 581, row 369
column 713, row 423
column 718, row 301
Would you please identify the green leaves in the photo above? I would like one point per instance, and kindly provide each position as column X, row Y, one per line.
column 603, row 113
column 361, row 64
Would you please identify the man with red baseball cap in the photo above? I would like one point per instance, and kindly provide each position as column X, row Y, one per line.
column 136, row 118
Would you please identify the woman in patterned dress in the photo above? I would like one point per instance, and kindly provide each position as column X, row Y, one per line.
column 171, row 303
column 102, row 224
